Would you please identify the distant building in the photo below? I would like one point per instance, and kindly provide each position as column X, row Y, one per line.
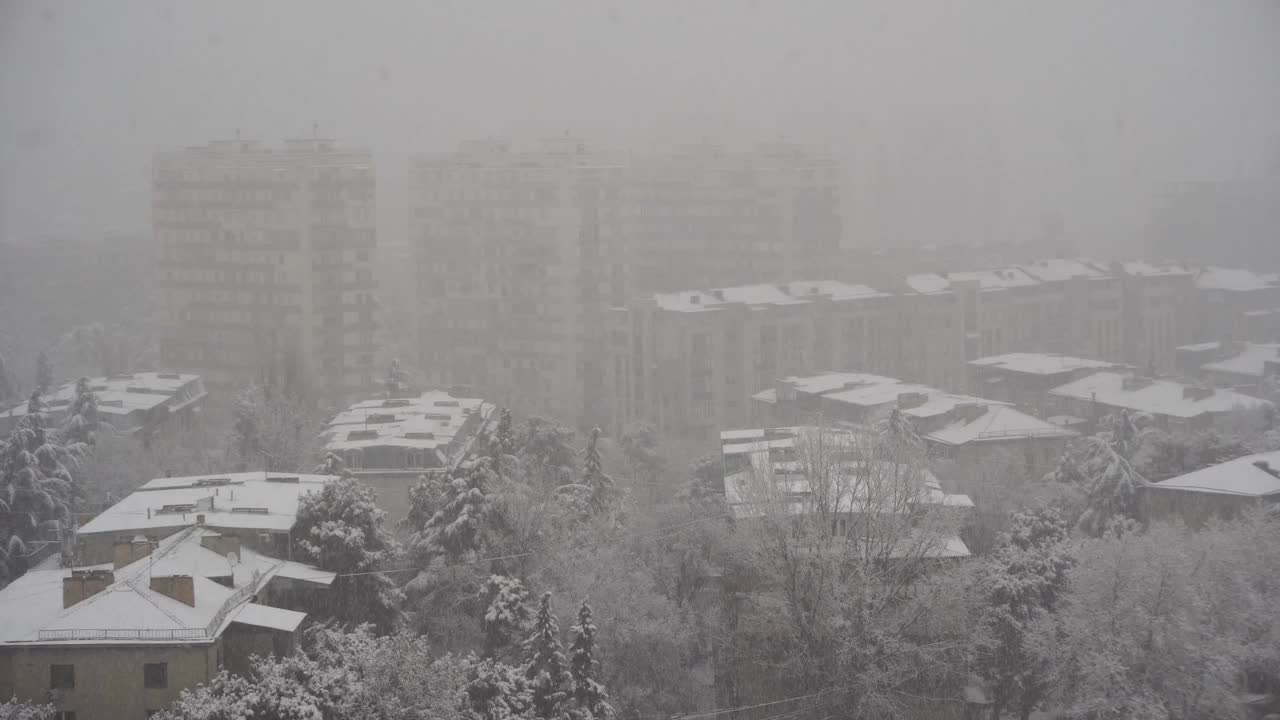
column 521, row 252
column 124, row 638
column 765, row 471
column 1025, row 378
column 1222, row 490
column 688, row 362
column 260, row 508
column 267, row 260
column 1232, row 221
column 1242, row 365
column 969, row 430
column 1235, row 304
column 390, row 443
column 129, row 402
column 1170, row 403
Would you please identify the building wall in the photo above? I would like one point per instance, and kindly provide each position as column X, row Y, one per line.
column 108, row 678
column 266, row 261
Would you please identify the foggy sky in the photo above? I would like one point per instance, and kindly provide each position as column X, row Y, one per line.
column 1092, row 104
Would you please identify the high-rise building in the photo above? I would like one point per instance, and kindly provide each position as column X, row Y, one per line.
column 520, row 253
column 266, row 264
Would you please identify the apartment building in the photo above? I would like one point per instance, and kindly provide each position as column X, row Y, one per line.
column 1159, row 308
column 124, row 638
column 130, row 403
column 267, row 264
column 1238, row 365
column 1224, row 490
column 688, row 362
column 1025, row 379
column 390, row 442
column 1235, row 304
column 260, row 508
column 521, row 252
column 1171, row 404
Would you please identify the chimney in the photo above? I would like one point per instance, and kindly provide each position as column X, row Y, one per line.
column 179, row 587
column 908, row 400
column 224, row 545
column 1135, row 382
column 719, row 294
column 126, row 552
column 695, row 299
column 968, row 412
column 1196, row 392
column 82, row 584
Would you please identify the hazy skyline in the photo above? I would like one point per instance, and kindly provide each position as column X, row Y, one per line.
column 1093, row 104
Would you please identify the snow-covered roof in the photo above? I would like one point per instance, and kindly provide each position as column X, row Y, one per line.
column 430, row 421
column 996, row 422
column 1201, row 347
column 1142, row 268
column 928, row 283
column 126, row 393
column 1155, row 396
column 1251, row 360
column 269, row 617
column 1063, row 269
column 1040, row 363
column 128, row 610
column 1234, row 279
column 249, row 500
column 1251, row 476
column 791, row 293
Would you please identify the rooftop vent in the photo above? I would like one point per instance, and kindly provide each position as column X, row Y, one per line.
column 445, row 403
column 395, row 403
column 212, row 482
column 438, row 416
column 176, row 508
column 251, row 510
column 380, row 418
column 1265, row 467
column 695, row 299
column 420, row 435
column 1135, row 382
column 1195, row 392
column 283, row 479
column 362, row 435
column 718, row 294
column 169, row 376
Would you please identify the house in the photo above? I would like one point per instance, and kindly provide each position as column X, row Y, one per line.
column 260, row 508
column 1170, row 403
column 123, row 639
column 768, row 469
column 1222, row 490
column 129, row 403
column 969, row 430
column 1243, row 365
column 1025, row 379
column 389, row 443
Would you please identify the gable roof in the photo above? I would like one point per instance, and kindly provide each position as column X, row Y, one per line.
column 1154, row 396
column 1251, row 476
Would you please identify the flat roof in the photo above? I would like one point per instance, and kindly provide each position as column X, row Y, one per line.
column 790, row 293
column 248, row 500
column 429, row 421
column 1040, row 363
column 1154, row 396
column 1251, row 360
column 123, row 394
column 1234, row 279
column 1250, row 476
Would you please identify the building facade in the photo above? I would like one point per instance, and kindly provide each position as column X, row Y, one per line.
column 131, row 403
column 267, row 260
column 521, row 253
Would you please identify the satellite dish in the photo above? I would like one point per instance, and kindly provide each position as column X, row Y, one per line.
column 233, row 559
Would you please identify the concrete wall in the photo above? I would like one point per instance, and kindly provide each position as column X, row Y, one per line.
column 108, row 678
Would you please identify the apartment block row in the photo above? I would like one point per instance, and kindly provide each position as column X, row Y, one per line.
column 689, row 362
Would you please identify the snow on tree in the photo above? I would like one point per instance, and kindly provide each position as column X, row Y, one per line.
column 37, row 490
column 455, row 529
column 506, row 616
column 494, row 691
column 600, row 488
column 504, row 439
column 546, row 669
column 640, row 446
column 44, row 373
column 426, row 497
column 706, row 478
column 274, row 429
column 397, row 380
column 82, row 421
column 546, row 451
column 14, row 710
column 340, row 529
column 8, row 386
column 589, row 693
column 1111, row 488
column 332, row 464
column 1165, row 455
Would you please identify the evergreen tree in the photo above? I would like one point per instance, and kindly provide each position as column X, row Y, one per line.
column 8, row 387
column 494, row 691
column 600, row 487
column 82, row 419
column 1111, row 488
column 504, row 439
column 37, row 489
column 545, row 449
column 640, row 446
column 426, row 497
column 507, row 616
column 455, row 529
column 44, row 373
column 332, row 465
column 340, row 529
column 588, row 692
column 396, row 380
column 547, row 671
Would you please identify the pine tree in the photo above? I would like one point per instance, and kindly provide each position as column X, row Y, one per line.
column 332, row 465
column 396, row 379
column 507, row 614
column 454, row 530
column 600, row 487
column 588, row 692
column 547, row 670
column 8, row 387
column 493, row 691
column 504, row 439
column 340, row 530
column 1111, row 489
column 36, row 487
column 44, row 373
column 82, row 420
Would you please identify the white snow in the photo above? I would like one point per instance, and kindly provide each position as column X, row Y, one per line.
column 268, row 617
column 792, row 293
column 1200, row 347
column 1063, row 269
column 1141, row 268
column 1158, row 397
column 1251, row 360
column 1233, row 279
column 1040, row 363
column 928, row 283
column 1241, row 476
column 997, row 423
column 430, row 421
column 120, row 395
column 230, row 504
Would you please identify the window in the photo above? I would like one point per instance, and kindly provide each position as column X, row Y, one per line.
column 62, row 677
column 155, row 675
column 65, row 715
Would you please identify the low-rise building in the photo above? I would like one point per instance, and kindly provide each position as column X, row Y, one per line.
column 766, row 470
column 123, row 639
column 1171, row 404
column 129, row 402
column 389, row 443
column 1222, row 490
column 1243, row 365
column 1025, row 378
column 1234, row 304
column 260, row 508
column 969, row 430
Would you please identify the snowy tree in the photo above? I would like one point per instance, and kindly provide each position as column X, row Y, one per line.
column 274, row 430
column 589, row 694
column 44, row 373
column 640, row 446
column 397, row 379
column 332, row 464
column 504, row 439
column 494, row 691
column 37, row 490
column 706, row 478
column 546, row 451
column 1165, row 455
column 8, row 385
column 1023, row 580
column 1111, row 488
column 426, row 497
column 546, row 669
column 14, row 710
column 600, row 488
column 455, row 529
column 340, row 529
column 507, row 615
column 82, row 421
